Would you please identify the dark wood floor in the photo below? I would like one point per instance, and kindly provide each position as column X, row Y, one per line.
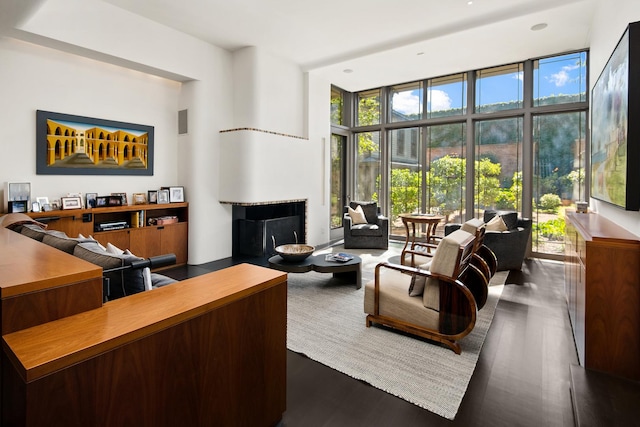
column 522, row 377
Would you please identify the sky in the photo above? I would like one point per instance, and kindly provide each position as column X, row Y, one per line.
column 554, row 76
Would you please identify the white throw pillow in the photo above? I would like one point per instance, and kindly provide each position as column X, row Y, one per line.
column 496, row 224
column 114, row 250
column 357, row 215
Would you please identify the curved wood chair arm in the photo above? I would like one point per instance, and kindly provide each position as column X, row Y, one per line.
column 489, row 257
column 458, row 309
column 476, row 281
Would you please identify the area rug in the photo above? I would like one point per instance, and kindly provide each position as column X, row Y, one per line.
column 326, row 322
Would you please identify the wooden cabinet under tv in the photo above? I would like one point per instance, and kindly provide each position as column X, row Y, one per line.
column 141, row 239
column 602, row 285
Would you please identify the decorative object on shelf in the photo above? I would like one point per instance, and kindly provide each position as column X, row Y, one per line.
column 123, row 196
column 582, row 207
column 42, row 201
column 615, row 177
column 139, row 198
column 35, row 207
column 176, row 194
column 163, row 196
column 91, row 200
column 152, row 196
column 18, row 195
column 71, row 203
column 133, row 144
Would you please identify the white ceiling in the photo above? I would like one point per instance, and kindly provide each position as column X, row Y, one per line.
column 381, row 40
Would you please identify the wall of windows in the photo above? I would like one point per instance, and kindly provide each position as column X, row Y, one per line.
column 418, row 147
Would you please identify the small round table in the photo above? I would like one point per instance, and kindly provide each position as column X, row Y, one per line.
column 350, row 270
column 431, row 222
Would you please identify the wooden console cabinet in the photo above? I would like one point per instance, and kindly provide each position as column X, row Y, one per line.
column 602, row 285
column 145, row 241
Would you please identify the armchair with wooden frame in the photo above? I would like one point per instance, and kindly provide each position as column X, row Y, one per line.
column 482, row 258
column 434, row 304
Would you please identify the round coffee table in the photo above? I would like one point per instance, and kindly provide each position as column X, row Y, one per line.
column 349, row 270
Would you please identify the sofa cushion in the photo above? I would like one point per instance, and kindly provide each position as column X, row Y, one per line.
column 370, row 210
column 357, row 215
column 33, row 231
column 160, row 280
column 366, row 230
column 61, row 242
column 124, row 282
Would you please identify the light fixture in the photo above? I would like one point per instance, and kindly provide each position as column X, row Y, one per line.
column 347, row 70
column 470, row 2
column 539, row 27
column 420, row 53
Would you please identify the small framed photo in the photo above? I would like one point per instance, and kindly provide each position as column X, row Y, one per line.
column 91, row 200
column 139, row 198
column 42, row 201
column 35, row 207
column 71, row 202
column 176, row 194
column 152, row 196
column 123, row 196
column 46, row 207
column 163, row 196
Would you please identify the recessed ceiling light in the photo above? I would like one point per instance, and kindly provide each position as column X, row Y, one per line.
column 469, row 2
column 420, row 53
column 347, row 70
column 539, row 27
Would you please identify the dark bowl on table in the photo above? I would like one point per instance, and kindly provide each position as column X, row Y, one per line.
column 294, row 252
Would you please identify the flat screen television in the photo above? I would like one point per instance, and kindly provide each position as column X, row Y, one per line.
column 615, row 125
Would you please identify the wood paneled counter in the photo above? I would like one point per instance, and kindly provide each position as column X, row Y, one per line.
column 210, row 350
column 39, row 283
column 602, row 285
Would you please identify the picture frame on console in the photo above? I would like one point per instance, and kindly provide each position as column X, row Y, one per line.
column 176, row 194
column 71, row 203
column 615, row 103
column 152, row 196
column 163, row 196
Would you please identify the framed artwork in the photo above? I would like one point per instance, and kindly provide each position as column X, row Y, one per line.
column 91, row 200
column 163, row 196
column 77, row 145
column 615, row 148
column 42, row 201
column 176, row 194
column 35, row 207
column 139, row 198
column 71, row 203
column 152, row 196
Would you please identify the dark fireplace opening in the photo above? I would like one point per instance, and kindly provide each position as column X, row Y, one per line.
column 255, row 226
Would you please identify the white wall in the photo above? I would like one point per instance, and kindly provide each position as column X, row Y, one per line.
column 38, row 78
column 610, row 21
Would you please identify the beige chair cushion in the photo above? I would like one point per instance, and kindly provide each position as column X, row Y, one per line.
column 472, row 225
column 395, row 303
column 357, row 215
column 444, row 262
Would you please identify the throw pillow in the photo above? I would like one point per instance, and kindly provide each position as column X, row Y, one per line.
column 496, row 224
column 357, row 216
column 370, row 210
column 510, row 219
column 416, row 288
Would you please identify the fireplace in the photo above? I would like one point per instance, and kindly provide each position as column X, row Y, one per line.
column 254, row 225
